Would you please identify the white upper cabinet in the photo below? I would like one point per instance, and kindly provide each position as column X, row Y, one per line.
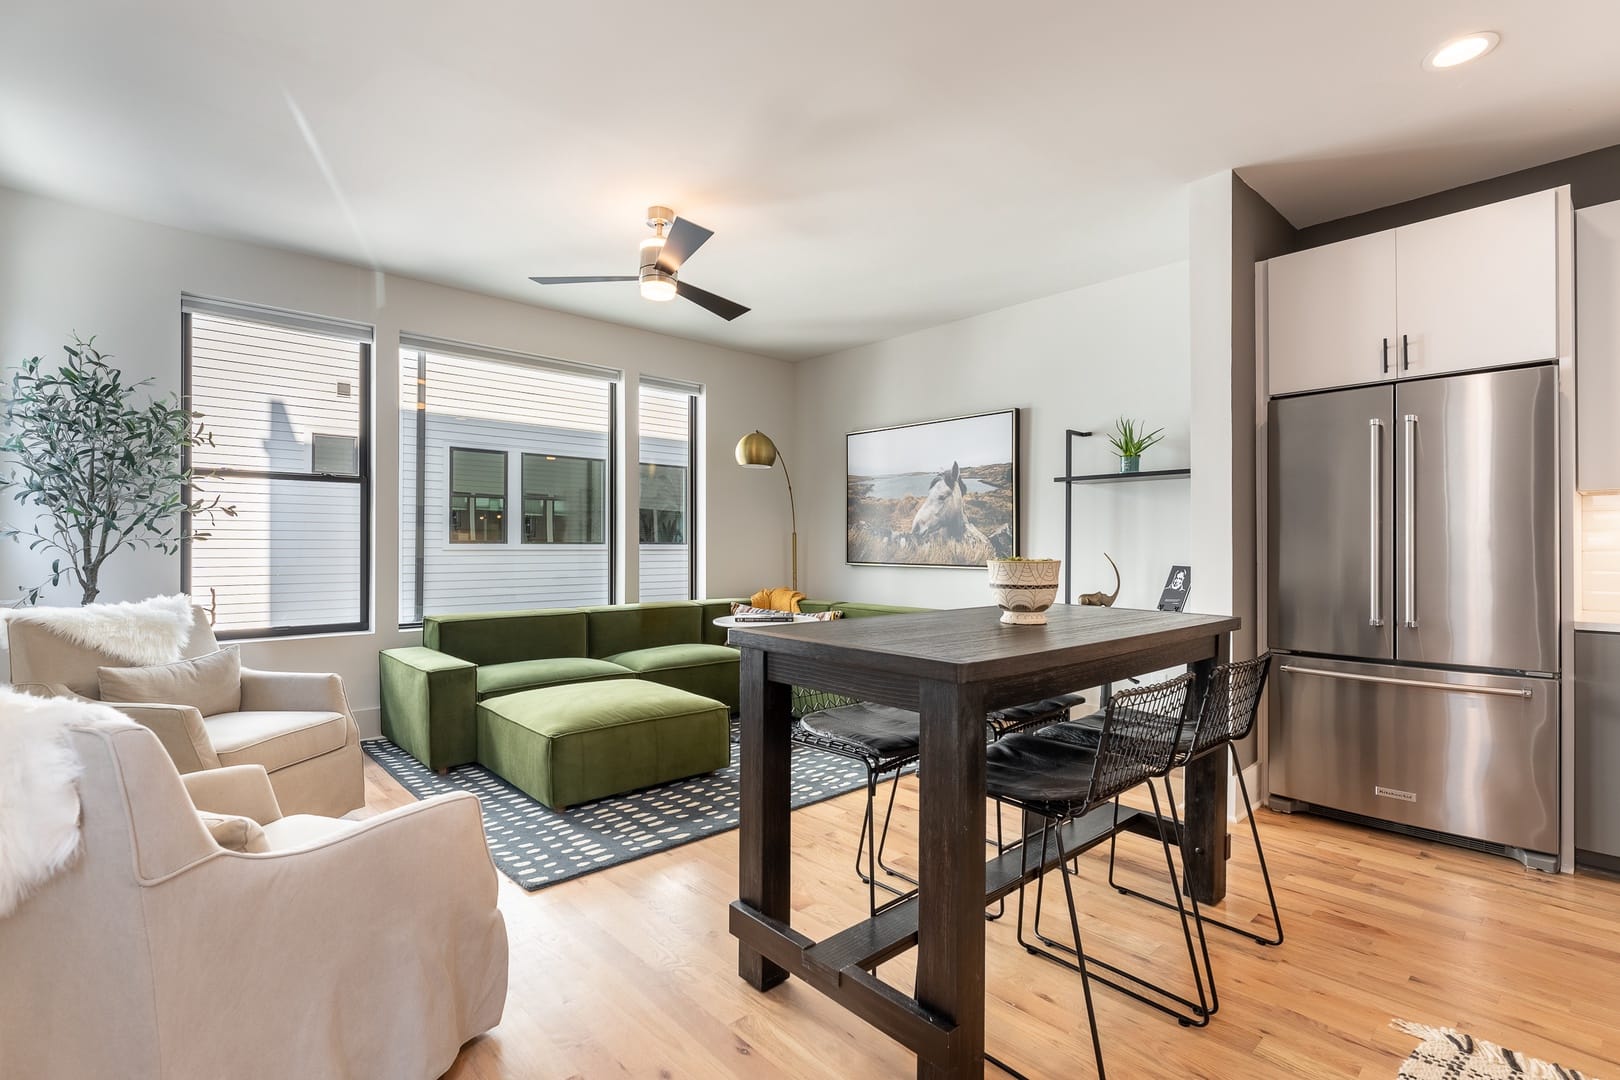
column 1330, row 318
column 1479, row 289
column 1476, row 289
column 1597, row 306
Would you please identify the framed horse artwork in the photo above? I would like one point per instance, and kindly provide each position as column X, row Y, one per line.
column 934, row 493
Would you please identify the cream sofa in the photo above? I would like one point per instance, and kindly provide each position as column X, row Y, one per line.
column 359, row 950
column 297, row 725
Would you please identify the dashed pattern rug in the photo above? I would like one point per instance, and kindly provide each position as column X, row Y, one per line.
column 1446, row 1054
column 536, row 846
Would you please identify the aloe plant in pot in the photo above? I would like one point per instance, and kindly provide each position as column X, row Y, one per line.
column 1130, row 441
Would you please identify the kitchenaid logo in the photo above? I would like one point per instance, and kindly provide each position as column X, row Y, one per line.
column 1395, row 793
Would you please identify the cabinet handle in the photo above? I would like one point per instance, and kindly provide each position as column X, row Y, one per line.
column 1382, row 680
column 1406, row 354
column 1375, row 433
column 1383, row 356
column 1410, row 620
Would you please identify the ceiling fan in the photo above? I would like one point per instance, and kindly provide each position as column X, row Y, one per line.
column 661, row 260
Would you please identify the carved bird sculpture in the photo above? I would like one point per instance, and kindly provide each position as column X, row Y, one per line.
column 1102, row 599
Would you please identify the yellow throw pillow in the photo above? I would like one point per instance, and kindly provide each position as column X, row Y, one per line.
column 780, row 598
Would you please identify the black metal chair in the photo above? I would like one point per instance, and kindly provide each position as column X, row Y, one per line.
column 1230, row 705
column 1036, row 714
column 1011, row 721
column 884, row 739
column 1059, row 781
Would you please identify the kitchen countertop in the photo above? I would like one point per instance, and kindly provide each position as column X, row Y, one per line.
column 1587, row 626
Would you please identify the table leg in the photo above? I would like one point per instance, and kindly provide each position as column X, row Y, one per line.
column 765, row 842
column 1205, row 795
column 950, row 916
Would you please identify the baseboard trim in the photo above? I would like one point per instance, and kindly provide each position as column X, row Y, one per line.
column 368, row 720
column 1234, row 799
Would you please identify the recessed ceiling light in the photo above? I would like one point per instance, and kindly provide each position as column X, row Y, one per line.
column 1460, row 50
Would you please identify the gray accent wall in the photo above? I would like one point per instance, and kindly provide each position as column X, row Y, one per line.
column 1593, row 178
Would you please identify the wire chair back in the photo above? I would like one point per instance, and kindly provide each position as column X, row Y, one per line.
column 1141, row 729
column 804, row 700
column 1231, row 703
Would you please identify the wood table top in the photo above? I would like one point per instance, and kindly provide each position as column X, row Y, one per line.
column 973, row 645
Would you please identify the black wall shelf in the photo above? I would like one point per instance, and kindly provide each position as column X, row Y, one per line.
column 1068, row 480
column 1114, row 478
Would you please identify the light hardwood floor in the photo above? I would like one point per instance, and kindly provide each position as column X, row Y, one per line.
column 630, row 972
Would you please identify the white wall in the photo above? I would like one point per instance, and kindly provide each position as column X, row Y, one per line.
column 64, row 268
column 1075, row 360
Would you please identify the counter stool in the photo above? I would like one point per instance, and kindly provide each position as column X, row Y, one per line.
column 1059, row 780
column 880, row 737
column 1225, row 719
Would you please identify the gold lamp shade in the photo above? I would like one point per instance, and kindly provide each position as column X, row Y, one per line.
column 756, row 451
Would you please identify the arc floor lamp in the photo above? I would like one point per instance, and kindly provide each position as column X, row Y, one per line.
column 756, row 451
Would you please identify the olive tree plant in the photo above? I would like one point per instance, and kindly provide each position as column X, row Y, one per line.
column 103, row 471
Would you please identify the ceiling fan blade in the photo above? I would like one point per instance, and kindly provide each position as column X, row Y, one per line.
column 684, row 238
column 580, row 280
column 726, row 309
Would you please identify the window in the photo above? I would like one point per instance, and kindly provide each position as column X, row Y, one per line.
column 285, row 399
column 477, row 496
column 664, row 491
column 335, row 455
column 486, row 435
column 564, row 500
column 668, row 414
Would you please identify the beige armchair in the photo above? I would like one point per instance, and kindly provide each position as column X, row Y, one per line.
column 297, row 725
column 344, row 949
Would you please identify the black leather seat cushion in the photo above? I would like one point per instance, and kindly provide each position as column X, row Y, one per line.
column 1023, row 717
column 1037, row 771
column 876, row 731
column 1087, row 731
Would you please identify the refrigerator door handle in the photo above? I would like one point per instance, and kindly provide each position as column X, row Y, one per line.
column 1410, row 527
column 1375, row 438
column 1456, row 688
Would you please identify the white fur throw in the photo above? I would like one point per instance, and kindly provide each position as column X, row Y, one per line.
column 142, row 632
column 39, row 794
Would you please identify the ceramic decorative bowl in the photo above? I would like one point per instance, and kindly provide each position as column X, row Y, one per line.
column 1024, row 589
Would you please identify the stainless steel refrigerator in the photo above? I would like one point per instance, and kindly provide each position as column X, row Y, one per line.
column 1413, row 590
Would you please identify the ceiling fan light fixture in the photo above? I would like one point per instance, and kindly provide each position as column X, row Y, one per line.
column 656, row 285
column 1461, row 50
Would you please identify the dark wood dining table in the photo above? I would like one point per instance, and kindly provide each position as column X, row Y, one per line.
column 951, row 667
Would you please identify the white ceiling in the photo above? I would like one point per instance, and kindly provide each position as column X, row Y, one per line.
column 868, row 167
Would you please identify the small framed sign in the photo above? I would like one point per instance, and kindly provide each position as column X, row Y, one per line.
column 1176, row 588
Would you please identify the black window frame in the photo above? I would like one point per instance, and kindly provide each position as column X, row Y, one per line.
column 362, row 479
column 692, row 515
column 421, row 347
column 452, row 494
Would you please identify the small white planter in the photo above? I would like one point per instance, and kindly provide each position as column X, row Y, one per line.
column 1024, row 589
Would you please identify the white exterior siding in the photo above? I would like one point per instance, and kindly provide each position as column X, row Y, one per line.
column 666, row 569
column 486, row 405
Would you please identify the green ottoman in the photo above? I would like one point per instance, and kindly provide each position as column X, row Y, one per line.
column 566, row 745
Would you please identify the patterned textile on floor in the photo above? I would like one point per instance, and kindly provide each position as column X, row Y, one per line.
column 1452, row 1055
column 536, row 846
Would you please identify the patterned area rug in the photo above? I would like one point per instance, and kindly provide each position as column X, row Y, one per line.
column 1451, row 1055
column 535, row 846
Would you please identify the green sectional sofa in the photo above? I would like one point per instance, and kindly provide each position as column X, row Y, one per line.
column 431, row 694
